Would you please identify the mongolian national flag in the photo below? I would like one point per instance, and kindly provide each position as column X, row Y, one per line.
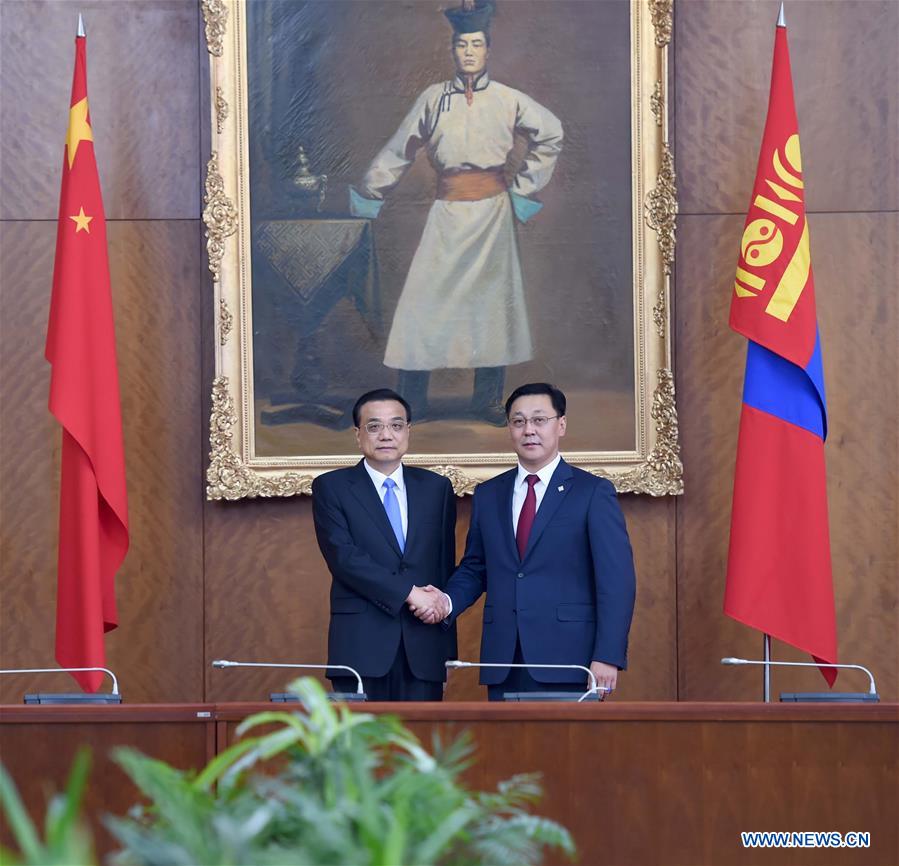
column 779, row 577
column 84, row 397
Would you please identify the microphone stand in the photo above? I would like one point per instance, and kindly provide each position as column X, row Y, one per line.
column 871, row 694
column 595, row 688
column 70, row 697
column 225, row 663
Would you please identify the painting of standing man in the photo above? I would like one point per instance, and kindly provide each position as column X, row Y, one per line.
column 463, row 302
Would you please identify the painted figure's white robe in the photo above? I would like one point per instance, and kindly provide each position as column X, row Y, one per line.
column 463, row 301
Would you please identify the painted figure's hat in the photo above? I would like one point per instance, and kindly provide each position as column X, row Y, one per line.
column 473, row 16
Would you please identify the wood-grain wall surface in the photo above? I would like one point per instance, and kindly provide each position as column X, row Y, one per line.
column 846, row 79
column 206, row 580
column 143, row 64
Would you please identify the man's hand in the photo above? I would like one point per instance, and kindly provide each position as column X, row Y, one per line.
column 428, row 603
column 606, row 676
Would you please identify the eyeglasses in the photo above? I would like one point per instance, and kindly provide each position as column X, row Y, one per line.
column 539, row 422
column 373, row 428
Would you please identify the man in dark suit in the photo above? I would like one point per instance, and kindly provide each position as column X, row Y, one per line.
column 386, row 531
column 549, row 546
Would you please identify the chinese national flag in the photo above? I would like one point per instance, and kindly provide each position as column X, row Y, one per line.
column 84, row 397
column 779, row 577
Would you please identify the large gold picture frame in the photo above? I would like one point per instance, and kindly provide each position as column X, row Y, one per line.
column 240, row 468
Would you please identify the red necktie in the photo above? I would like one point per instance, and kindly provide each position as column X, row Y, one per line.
column 526, row 518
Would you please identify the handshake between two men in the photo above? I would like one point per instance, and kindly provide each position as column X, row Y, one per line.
column 546, row 540
column 429, row 604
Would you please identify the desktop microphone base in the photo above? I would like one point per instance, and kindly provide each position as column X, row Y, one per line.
column 73, row 698
column 341, row 697
column 829, row 698
column 571, row 697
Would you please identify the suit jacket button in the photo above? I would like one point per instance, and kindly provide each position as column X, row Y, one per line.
column 520, row 574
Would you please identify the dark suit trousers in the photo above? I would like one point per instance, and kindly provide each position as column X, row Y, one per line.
column 520, row 680
column 398, row 684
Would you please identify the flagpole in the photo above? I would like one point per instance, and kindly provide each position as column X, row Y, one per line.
column 780, row 579
column 766, row 640
column 84, row 399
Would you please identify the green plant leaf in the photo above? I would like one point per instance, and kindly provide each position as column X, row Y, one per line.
column 8, row 857
column 148, row 846
column 23, row 829
column 430, row 849
column 63, row 811
column 180, row 807
column 262, row 748
column 270, row 717
column 331, row 787
column 424, row 762
column 66, row 839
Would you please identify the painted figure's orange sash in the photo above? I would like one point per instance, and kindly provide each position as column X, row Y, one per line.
column 471, row 185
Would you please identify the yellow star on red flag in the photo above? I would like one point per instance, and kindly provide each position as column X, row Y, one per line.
column 79, row 129
column 81, row 221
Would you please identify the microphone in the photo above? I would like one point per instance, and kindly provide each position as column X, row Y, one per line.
column 359, row 694
column 70, row 697
column 595, row 688
column 871, row 694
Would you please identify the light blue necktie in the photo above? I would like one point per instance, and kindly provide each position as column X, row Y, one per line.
column 392, row 507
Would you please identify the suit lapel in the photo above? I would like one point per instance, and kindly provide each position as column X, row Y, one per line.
column 505, row 491
column 556, row 491
column 413, row 491
column 365, row 492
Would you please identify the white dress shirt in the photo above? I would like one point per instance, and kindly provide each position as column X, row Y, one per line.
column 520, row 490
column 378, row 479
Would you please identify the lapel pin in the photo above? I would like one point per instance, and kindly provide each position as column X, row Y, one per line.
column 561, row 487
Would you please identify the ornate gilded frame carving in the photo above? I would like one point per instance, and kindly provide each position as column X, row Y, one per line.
column 236, row 472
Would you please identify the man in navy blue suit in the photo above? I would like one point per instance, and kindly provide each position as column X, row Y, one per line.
column 386, row 531
column 549, row 546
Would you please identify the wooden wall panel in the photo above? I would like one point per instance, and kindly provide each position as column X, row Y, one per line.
column 854, row 257
column 159, row 362
column 246, row 579
column 38, row 754
column 708, row 375
column 156, row 651
column 29, row 455
column 142, row 63
column 856, row 260
column 266, row 593
column 652, row 653
column 846, row 77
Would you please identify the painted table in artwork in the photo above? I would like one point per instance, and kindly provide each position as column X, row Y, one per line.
column 302, row 269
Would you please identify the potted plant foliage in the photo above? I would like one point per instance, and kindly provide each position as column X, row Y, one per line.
column 328, row 786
